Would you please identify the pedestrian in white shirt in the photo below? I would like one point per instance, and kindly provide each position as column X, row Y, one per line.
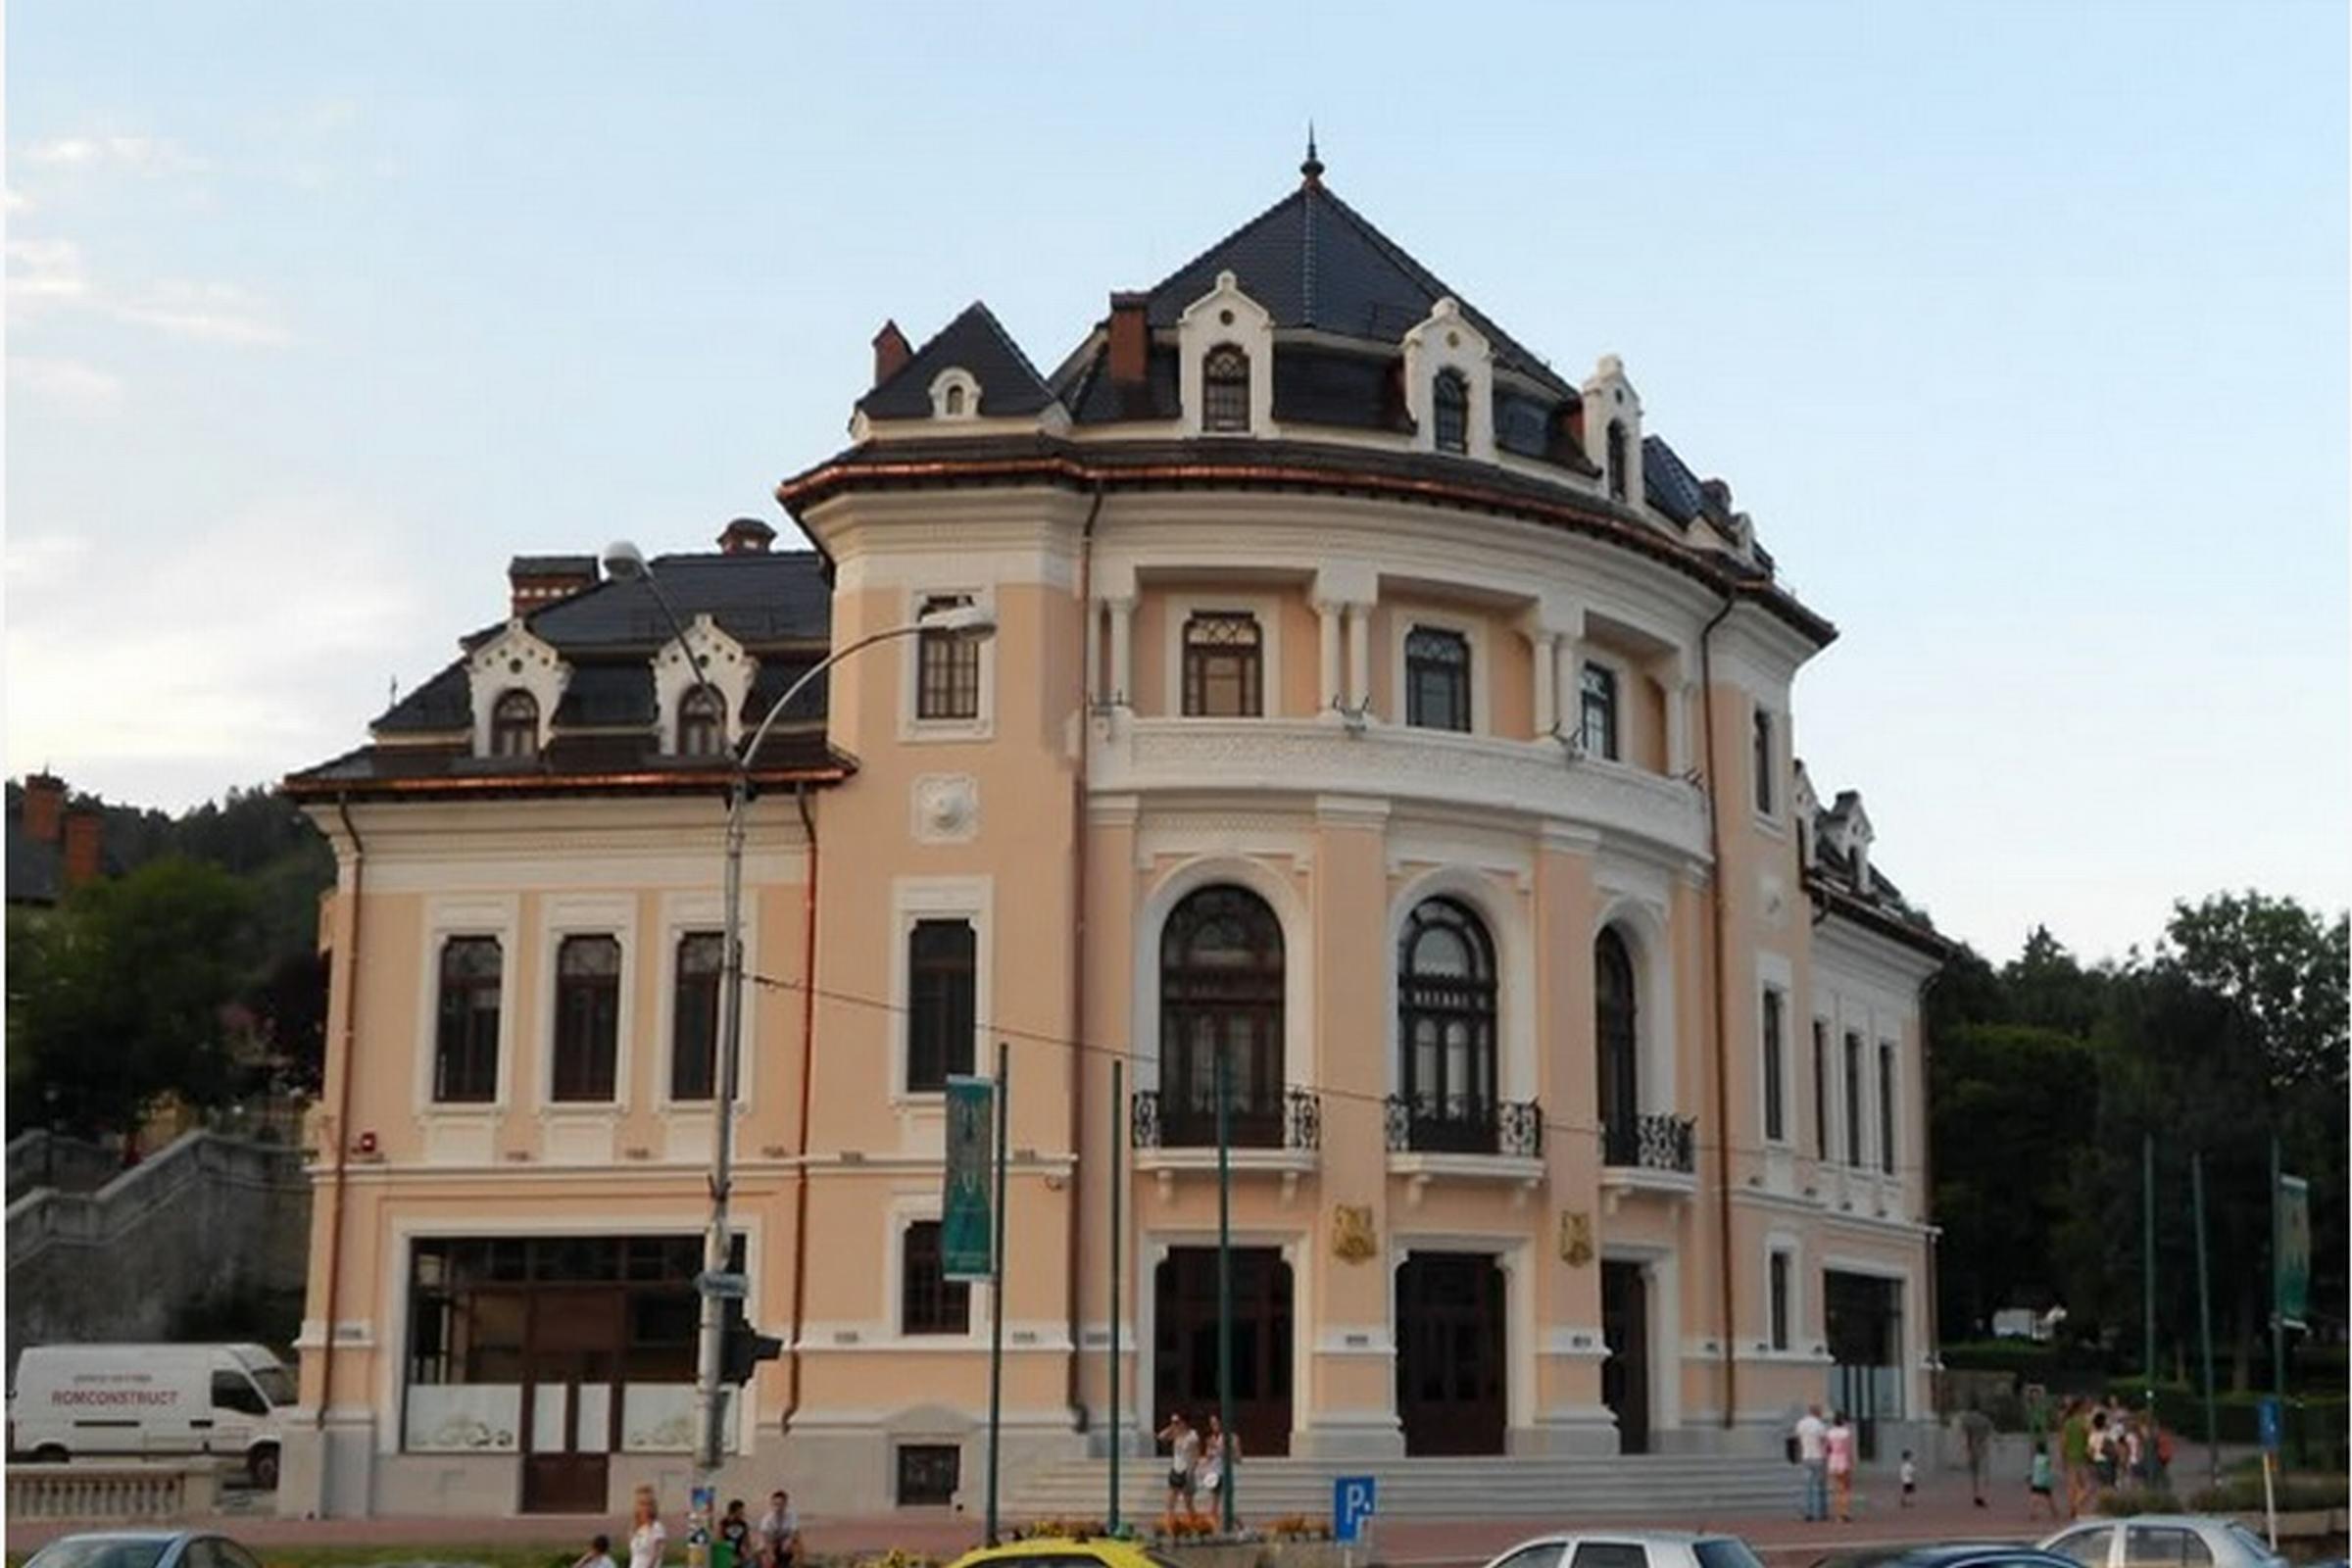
column 1813, row 1453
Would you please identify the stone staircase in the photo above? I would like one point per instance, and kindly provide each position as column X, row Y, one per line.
column 1657, row 1486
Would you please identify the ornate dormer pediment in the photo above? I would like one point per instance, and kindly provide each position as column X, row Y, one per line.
column 1218, row 324
column 726, row 663
column 1447, row 343
column 515, row 660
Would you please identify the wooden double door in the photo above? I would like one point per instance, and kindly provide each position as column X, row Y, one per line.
column 572, row 1398
column 1184, row 1359
column 1451, row 1350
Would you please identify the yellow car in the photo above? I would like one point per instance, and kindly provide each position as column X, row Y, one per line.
column 1062, row 1551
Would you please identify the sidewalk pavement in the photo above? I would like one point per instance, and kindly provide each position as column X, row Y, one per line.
column 1941, row 1512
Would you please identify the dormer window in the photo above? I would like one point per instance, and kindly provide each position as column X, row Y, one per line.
column 702, row 723
column 951, row 401
column 514, row 726
column 1449, row 412
column 1616, row 460
column 1225, row 390
column 955, row 394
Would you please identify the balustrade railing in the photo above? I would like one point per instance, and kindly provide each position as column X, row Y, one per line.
column 1653, row 1141
column 1293, row 1120
column 1463, row 1124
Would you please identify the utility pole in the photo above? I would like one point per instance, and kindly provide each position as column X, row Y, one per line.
column 2196, row 1188
column 2147, row 1269
column 2277, row 1284
column 995, row 1296
column 1225, row 1465
column 1118, row 1157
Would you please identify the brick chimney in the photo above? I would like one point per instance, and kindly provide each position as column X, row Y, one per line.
column 44, row 807
column 746, row 536
column 533, row 581
column 1130, row 338
column 890, row 351
column 85, row 837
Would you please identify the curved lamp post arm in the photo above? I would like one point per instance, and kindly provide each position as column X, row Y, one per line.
column 775, row 711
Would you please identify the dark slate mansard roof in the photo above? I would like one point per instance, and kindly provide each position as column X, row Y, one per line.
column 977, row 343
column 778, row 606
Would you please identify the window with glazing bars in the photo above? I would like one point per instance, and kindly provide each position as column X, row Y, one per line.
column 1225, row 389
column 941, row 1011
column 466, row 1039
column 515, row 725
column 929, row 1301
column 1436, row 679
column 1596, row 724
column 587, row 1019
column 947, row 667
column 1223, row 666
column 702, row 959
column 1449, row 412
column 702, row 723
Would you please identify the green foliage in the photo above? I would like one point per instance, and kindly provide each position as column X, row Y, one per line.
column 2122, row 1502
column 2293, row 1493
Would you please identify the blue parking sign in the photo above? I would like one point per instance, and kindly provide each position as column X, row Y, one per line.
column 1352, row 1503
column 2266, row 1420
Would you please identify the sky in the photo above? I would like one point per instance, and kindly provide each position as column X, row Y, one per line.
column 2020, row 329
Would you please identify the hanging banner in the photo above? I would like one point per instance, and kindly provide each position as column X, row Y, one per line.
column 967, row 1229
column 2293, row 1275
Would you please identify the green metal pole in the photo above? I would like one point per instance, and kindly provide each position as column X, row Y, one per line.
column 995, row 1295
column 1118, row 1157
column 1225, row 1285
column 2147, row 1269
column 2278, row 1279
column 2196, row 1188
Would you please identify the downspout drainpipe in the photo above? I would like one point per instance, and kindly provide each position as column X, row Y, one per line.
column 1723, row 1098
column 1080, row 831
column 342, row 1127
column 800, row 1167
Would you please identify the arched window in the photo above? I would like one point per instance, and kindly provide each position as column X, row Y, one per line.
column 1446, row 1024
column 587, row 1019
column 1616, row 460
column 1449, row 406
column 515, row 725
column 1221, row 992
column 1225, row 389
column 702, row 723
column 951, row 401
column 1616, row 1034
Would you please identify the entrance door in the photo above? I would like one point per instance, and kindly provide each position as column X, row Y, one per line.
column 1451, row 1353
column 1185, row 1344
column 570, row 1401
column 1864, row 1316
column 1625, row 1374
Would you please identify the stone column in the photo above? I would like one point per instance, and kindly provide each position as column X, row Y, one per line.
column 1547, row 682
column 1122, row 653
column 1329, row 616
column 1360, row 655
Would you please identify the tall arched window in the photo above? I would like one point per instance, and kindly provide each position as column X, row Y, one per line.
column 1225, row 389
column 1616, row 1033
column 1445, row 1023
column 1221, row 991
column 1449, row 409
column 1616, row 460
column 702, row 723
column 515, row 725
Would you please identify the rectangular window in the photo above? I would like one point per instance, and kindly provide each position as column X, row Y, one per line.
column 1853, row 1099
column 941, row 1011
column 929, row 1302
column 1436, row 679
column 587, row 1019
column 1223, row 666
column 1821, row 1090
column 1780, row 1300
column 694, row 1015
column 947, row 667
column 1775, row 1113
column 929, row 1474
column 1596, row 722
column 1764, row 762
column 466, row 1039
column 1886, row 1108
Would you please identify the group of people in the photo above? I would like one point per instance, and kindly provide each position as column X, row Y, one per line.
column 737, row 1540
column 2102, row 1443
column 1826, row 1450
column 1196, row 1462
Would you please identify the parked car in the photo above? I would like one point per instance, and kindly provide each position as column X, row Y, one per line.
column 144, row 1549
column 1630, row 1549
column 70, row 1401
column 2163, row 1541
column 1052, row 1552
column 1953, row 1555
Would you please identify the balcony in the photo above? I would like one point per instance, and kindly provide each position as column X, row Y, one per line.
column 1653, row 1152
column 1281, row 1134
column 1458, row 1136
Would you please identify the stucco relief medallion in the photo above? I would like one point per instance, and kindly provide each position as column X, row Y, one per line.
column 1576, row 1238
column 1351, row 1238
column 947, row 808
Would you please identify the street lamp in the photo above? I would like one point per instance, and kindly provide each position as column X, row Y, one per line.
column 625, row 562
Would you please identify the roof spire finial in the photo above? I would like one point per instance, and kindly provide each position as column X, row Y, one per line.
column 1312, row 169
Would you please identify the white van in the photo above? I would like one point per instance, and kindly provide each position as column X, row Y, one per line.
column 71, row 1401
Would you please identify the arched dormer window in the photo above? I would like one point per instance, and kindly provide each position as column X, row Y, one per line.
column 702, row 723
column 1616, row 460
column 1449, row 409
column 1225, row 390
column 514, row 726
column 953, row 401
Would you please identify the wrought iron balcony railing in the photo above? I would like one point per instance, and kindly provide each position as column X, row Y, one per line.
column 1161, row 1120
column 1658, row 1141
column 1460, row 1124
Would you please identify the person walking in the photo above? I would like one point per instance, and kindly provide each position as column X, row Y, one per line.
column 1840, row 1446
column 2037, row 1480
column 1216, row 1456
column 1184, row 1461
column 1976, row 1436
column 1812, row 1452
column 646, row 1535
column 2073, row 1452
column 778, row 1536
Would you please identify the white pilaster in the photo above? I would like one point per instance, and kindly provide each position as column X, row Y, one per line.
column 1122, row 651
column 1548, row 683
column 1329, row 617
column 1360, row 655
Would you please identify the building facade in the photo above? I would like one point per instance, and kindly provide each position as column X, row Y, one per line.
column 1373, row 717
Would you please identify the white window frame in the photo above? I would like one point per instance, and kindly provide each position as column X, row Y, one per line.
column 916, row 898
column 1622, row 673
column 1180, row 608
column 585, row 914
column 1403, row 622
column 1830, row 1110
column 982, row 725
column 681, row 914
column 1887, row 1119
column 1788, row 1245
column 1773, row 821
column 1775, row 976
column 957, row 378
column 499, row 916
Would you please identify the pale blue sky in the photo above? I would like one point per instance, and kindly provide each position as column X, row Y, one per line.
column 2020, row 329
